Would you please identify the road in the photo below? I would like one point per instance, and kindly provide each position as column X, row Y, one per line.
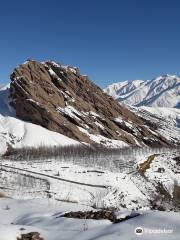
column 53, row 177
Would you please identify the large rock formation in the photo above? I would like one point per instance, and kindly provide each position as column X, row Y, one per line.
column 59, row 98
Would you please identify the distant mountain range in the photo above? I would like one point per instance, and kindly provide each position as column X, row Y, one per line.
column 163, row 91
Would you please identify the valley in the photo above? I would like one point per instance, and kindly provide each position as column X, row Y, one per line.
column 75, row 163
column 44, row 189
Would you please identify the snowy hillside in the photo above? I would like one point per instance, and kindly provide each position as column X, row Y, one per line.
column 45, row 217
column 171, row 115
column 19, row 133
column 44, row 191
column 113, row 180
column 163, row 91
column 167, row 120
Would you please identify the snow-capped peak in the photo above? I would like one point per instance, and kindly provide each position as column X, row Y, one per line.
column 162, row 91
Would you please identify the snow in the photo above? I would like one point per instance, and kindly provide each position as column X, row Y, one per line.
column 169, row 176
column 99, row 125
column 126, row 213
column 19, row 133
column 52, row 72
column 31, row 100
column 87, row 181
column 94, row 114
column 25, row 134
column 169, row 114
column 65, row 67
column 76, row 185
column 166, row 120
column 70, row 111
column 5, row 108
column 116, row 89
column 111, row 143
column 73, row 70
column 43, row 217
column 162, row 91
column 119, row 119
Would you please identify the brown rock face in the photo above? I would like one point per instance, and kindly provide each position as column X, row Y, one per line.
column 60, row 99
column 30, row 236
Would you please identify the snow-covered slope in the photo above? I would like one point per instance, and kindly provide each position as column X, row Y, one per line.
column 162, row 170
column 75, row 188
column 19, row 133
column 163, row 91
column 166, row 119
column 171, row 115
column 44, row 217
column 106, row 181
column 121, row 88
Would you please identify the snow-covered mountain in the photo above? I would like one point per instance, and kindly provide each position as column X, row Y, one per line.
column 62, row 100
column 134, row 180
column 51, row 104
column 171, row 115
column 163, row 91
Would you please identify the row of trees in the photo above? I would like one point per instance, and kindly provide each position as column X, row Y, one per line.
column 59, row 152
column 117, row 158
column 77, row 151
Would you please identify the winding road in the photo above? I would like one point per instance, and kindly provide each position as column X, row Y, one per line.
column 53, row 177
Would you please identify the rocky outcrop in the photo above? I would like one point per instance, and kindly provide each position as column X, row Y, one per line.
column 30, row 236
column 100, row 215
column 60, row 99
column 97, row 215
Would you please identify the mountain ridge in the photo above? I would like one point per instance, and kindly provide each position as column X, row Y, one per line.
column 162, row 91
column 60, row 99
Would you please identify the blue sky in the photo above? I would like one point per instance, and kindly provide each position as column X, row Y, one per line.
column 110, row 40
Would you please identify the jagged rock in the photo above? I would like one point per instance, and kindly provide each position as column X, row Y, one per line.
column 30, row 236
column 98, row 215
column 60, row 99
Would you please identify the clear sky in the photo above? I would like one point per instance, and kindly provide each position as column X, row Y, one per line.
column 110, row 40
